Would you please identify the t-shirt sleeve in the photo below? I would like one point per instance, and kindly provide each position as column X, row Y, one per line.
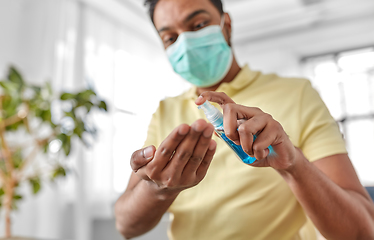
column 320, row 135
column 153, row 134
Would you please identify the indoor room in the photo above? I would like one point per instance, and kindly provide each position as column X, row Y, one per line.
column 87, row 85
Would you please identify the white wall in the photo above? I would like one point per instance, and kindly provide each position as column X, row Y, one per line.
column 22, row 41
column 283, row 53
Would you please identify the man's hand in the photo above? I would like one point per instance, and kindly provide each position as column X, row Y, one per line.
column 180, row 162
column 337, row 192
column 241, row 123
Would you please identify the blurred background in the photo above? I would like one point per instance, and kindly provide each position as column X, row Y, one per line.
column 112, row 46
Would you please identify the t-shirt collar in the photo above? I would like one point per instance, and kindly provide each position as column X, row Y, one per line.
column 245, row 77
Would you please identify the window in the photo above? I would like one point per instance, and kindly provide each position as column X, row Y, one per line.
column 345, row 82
column 133, row 75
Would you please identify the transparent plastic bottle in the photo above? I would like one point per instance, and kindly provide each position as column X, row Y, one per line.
column 215, row 117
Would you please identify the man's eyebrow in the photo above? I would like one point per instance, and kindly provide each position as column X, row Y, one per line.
column 194, row 14
column 188, row 18
column 163, row 29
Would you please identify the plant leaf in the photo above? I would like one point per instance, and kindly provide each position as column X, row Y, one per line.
column 102, row 105
column 88, row 106
column 46, row 147
column 15, row 77
column 79, row 128
column 66, row 143
column 35, row 184
column 70, row 114
column 46, row 115
column 9, row 86
column 67, row 146
column 58, row 172
column 17, row 158
column 86, row 95
column 67, row 96
column 17, row 197
column 62, row 137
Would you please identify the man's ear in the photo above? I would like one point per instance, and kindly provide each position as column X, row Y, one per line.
column 227, row 28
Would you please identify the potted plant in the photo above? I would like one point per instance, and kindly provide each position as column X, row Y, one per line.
column 35, row 123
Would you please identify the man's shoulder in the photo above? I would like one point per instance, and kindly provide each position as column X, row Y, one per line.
column 294, row 81
column 277, row 82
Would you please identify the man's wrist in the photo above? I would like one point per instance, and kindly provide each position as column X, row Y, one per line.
column 298, row 167
column 161, row 193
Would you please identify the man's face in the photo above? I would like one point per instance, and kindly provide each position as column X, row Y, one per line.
column 173, row 17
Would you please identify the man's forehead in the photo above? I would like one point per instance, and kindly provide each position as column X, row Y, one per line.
column 171, row 11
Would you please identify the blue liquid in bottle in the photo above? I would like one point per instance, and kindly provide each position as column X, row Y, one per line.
column 216, row 118
column 238, row 148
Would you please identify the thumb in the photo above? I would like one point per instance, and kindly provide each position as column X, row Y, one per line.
column 142, row 157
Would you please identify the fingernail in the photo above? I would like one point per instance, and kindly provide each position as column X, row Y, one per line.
column 265, row 154
column 212, row 145
column 199, row 100
column 148, row 153
column 183, row 131
column 198, row 127
column 208, row 133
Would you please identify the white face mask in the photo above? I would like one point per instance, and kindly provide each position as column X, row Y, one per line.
column 202, row 57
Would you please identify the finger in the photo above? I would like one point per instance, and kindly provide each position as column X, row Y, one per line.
column 142, row 157
column 217, row 97
column 242, row 112
column 199, row 151
column 261, row 153
column 248, row 129
column 142, row 173
column 261, row 163
column 260, row 146
column 267, row 137
column 203, row 168
column 186, row 148
column 234, row 114
column 168, row 146
column 230, row 122
column 246, row 139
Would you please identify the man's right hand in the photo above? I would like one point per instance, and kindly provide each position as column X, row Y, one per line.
column 180, row 162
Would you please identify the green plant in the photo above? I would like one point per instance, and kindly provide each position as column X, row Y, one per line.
column 35, row 122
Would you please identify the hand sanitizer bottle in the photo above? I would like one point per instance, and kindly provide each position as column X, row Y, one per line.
column 215, row 117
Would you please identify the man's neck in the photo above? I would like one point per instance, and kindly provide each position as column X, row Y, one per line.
column 234, row 70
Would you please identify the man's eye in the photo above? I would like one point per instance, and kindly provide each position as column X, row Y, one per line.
column 201, row 25
column 169, row 41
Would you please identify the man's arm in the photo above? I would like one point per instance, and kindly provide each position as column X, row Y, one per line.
column 180, row 162
column 331, row 195
column 328, row 189
column 140, row 208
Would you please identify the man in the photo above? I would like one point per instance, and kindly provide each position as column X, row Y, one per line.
column 208, row 191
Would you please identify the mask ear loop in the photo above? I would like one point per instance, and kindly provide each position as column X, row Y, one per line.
column 222, row 25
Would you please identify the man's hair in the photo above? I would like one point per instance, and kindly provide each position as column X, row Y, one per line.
column 152, row 5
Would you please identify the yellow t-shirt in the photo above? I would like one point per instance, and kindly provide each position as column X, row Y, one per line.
column 236, row 201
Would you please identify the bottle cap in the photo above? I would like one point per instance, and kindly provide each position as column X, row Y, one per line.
column 213, row 115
